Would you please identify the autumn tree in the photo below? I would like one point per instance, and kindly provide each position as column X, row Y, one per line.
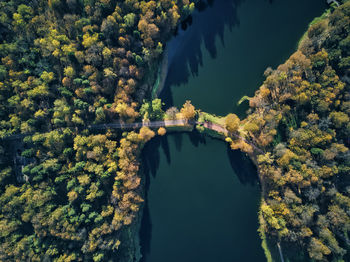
column 161, row 131
column 232, row 122
column 188, row 111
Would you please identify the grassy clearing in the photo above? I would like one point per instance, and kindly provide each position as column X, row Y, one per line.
column 243, row 99
column 211, row 118
column 156, row 85
column 266, row 250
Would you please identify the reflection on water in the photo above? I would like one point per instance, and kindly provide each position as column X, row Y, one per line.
column 242, row 167
column 192, row 163
column 150, row 164
column 202, row 28
column 223, row 54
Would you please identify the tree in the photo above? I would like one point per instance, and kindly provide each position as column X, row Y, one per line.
column 317, row 250
column 157, row 112
column 251, row 127
column 146, row 134
column 171, row 113
column 25, row 11
column 100, row 114
column 55, row 4
column 129, row 20
column 126, row 111
column 188, row 111
column 339, row 119
column 161, row 131
column 47, row 77
column 152, row 110
column 69, row 71
column 144, row 110
column 109, row 27
column 89, row 40
column 232, row 122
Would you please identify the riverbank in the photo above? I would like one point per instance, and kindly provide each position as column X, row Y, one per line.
column 161, row 76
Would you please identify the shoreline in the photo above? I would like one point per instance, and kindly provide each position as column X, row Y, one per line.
column 174, row 46
column 161, row 75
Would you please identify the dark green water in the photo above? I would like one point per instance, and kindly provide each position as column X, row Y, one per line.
column 202, row 199
column 197, row 207
column 222, row 56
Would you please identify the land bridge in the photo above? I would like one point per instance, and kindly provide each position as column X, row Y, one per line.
column 221, row 130
column 136, row 125
column 175, row 123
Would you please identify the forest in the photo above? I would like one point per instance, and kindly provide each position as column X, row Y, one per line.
column 67, row 193
column 300, row 118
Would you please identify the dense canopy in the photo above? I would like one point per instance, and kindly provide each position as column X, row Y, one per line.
column 71, row 193
column 68, row 193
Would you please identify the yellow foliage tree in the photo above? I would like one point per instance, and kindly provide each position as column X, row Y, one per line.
column 146, row 134
column 161, row 131
column 188, row 110
column 232, row 122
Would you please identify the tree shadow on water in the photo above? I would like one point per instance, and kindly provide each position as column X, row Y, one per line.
column 150, row 160
column 150, row 156
column 177, row 137
column 203, row 28
column 243, row 167
column 145, row 232
column 196, row 138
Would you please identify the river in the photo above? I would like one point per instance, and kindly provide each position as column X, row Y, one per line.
column 201, row 198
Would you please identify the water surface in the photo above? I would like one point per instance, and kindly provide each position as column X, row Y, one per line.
column 224, row 52
column 197, row 207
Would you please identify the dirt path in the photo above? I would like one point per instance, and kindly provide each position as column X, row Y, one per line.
column 156, row 124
